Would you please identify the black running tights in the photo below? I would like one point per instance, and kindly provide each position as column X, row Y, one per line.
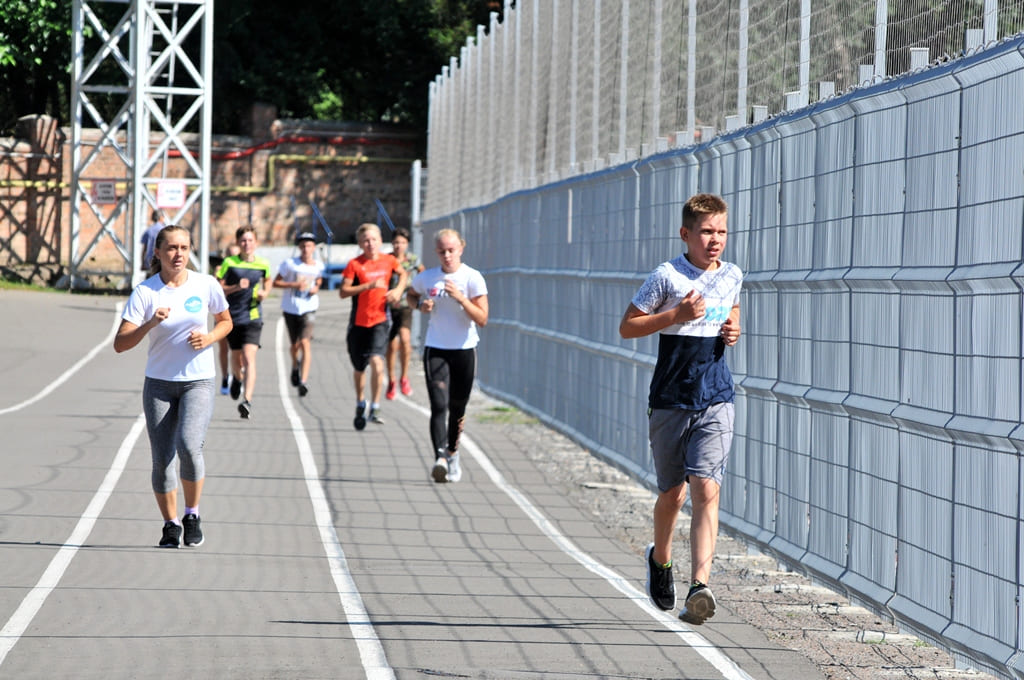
column 450, row 374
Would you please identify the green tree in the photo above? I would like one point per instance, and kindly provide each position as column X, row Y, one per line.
column 362, row 60
column 35, row 48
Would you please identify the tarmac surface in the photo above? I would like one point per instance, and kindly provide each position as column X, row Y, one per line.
column 330, row 553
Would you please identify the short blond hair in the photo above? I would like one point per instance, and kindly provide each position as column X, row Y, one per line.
column 449, row 232
column 365, row 227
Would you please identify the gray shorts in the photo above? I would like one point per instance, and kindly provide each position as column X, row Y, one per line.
column 686, row 443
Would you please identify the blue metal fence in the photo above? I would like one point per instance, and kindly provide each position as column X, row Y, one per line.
column 879, row 377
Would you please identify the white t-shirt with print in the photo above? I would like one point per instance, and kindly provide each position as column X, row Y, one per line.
column 192, row 303
column 449, row 326
column 294, row 300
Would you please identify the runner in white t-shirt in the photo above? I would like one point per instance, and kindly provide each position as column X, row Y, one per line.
column 455, row 297
column 301, row 278
column 173, row 309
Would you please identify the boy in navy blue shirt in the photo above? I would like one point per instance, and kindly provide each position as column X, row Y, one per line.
column 692, row 301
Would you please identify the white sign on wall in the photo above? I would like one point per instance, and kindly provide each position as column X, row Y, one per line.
column 170, row 194
column 104, row 192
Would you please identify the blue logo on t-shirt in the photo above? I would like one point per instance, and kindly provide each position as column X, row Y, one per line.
column 193, row 304
column 717, row 314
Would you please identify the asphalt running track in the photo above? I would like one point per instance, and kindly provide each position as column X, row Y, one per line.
column 329, row 553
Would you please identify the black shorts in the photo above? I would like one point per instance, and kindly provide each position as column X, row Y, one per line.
column 300, row 326
column 364, row 343
column 245, row 334
column 401, row 317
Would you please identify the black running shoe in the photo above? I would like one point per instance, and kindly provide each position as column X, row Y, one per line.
column 244, row 409
column 193, row 534
column 660, row 587
column 295, row 377
column 700, row 605
column 236, row 388
column 303, row 390
column 172, row 535
column 360, row 420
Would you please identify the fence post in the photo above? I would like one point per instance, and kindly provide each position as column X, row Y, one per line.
column 990, row 21
column 881, row 18
column 574, row 65
column 741, row 61
column 623, row 78
column 494, row 172
column 534, row 92
column 656, row 77
column 551, row 131
column 691, row 69
column 595, row 118
column 517, row 140
column 805, row 49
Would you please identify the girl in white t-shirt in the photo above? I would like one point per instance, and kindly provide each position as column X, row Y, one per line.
column 173, row 307
column 455, row 297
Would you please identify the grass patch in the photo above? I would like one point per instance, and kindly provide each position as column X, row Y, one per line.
column 506, row 415
column 16, row 285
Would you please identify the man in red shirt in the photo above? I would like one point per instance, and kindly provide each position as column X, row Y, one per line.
column 366, row 280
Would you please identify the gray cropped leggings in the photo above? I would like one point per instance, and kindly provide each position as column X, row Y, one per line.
column 177, row 415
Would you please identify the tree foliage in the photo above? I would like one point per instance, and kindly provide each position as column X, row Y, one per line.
column 35, row 49
column 360, row 60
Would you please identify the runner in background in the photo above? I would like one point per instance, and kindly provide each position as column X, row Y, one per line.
column 222, row 345
column 148, row 240
column 400, row 337
column 454, row 296
column 301, row 278
column 246, row 281
column 366, row 280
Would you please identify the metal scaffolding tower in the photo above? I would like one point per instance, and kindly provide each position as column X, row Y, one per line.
column 141, row 71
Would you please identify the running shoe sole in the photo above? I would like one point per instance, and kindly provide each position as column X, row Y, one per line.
column 699, row 607
column 440, row 470
column 360, row 422
column 244, row 409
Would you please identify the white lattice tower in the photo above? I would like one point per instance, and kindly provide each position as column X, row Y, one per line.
column 141, row 75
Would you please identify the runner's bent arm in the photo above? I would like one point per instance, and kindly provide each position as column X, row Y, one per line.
column 638, row 324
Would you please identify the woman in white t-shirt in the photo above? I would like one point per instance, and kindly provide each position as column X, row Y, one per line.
column 173, row 307
column 455, row 297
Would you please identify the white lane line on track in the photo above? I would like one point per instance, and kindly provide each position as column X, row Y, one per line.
column 726, row 666
column 30, row 606
column 61, row 379
column 371, row 652
column 33, row 601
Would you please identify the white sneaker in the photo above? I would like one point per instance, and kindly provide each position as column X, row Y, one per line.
column 454, row 468
column 440, row 470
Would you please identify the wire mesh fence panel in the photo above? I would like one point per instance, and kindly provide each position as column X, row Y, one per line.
column 566, row 86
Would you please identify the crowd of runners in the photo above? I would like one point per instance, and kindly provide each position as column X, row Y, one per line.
column 691, row 302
